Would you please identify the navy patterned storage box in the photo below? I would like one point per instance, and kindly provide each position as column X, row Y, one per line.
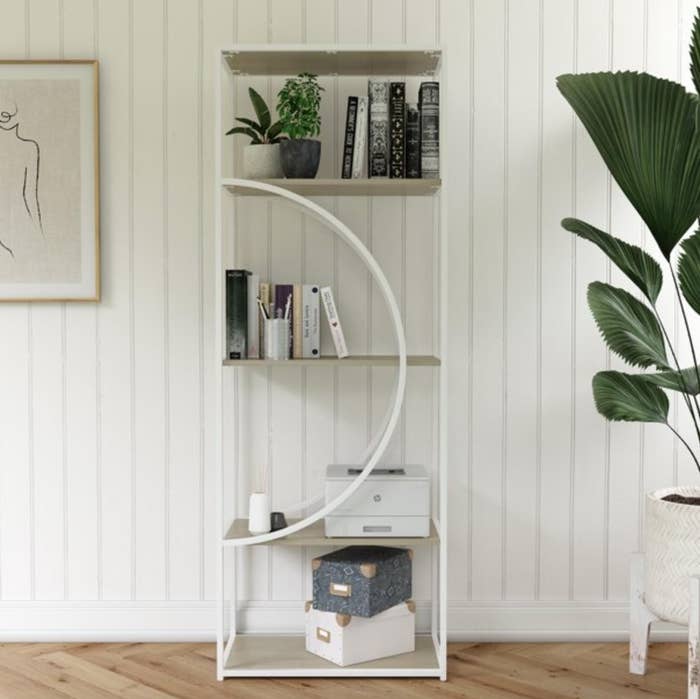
column 362, row 580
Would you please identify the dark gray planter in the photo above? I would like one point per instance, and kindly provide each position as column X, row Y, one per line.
column 300, row 157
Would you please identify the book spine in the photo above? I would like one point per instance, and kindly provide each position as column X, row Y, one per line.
column 429, row 99
column 397, row 113
column 378, row 141
column 253, row 337
column 236, row 313
column 358, row 156
column 311, row 328
column 265, row 299
column 297, row 310
column 282, row 294
column 341, row 347
column 349, row 142
column 412, row 141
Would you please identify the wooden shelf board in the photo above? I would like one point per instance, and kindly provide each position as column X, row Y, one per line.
column 339, row 187
column 314, row 535
column 357, row 360
column 358, row 60
column 272, row 654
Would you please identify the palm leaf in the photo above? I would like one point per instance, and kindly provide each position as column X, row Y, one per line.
column 628, row 327
column 245, row 130
column 687, row 383
column 629, row 398
column 261, row 109
column 644, row 128
column 689, row 270
column 695, row 52
column 639, row 266
column 275, row 130
column 253, row 125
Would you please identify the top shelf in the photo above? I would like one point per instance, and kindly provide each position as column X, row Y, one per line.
column 330, row 59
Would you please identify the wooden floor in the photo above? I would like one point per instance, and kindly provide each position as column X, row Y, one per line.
column 481, row 671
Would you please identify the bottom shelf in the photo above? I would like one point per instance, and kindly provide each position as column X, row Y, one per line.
column 286, row 656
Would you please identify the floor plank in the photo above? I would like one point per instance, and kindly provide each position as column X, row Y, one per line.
column 475, row 670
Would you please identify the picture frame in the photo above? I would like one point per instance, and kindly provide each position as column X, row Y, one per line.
column 49, row 181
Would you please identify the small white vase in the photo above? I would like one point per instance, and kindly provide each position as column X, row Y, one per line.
column 672, row 553
column 259, row 513
column 262, row 161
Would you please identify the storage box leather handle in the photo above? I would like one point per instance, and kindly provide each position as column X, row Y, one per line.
column 340, row 589
column 323, row 635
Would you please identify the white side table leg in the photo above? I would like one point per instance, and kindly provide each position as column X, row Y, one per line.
column 640, row 618
column 694, row 640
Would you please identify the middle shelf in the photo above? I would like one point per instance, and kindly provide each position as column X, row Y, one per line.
column 314, row 535
column 357, row 360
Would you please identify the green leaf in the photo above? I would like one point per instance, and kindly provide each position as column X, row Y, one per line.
column 695, row 52
column 628, row 327
column 275, row 130
column 261, row 109
column 245, row 130
column 639, row 266
column 687, row 383
column 645, row 129
column 629, row 398
column 253, row 125
column 689, row 270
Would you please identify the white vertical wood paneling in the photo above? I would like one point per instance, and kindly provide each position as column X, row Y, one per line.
column 106, row 481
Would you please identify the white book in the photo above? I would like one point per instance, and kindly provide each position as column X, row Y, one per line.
column 253, row 317
column 310, row 322
column 358, row 157
column 334, row 322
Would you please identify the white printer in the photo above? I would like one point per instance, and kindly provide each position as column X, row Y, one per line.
column 392, row 501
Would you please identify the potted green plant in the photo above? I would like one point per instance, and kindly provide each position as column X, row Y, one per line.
column 261, row 158
column 299, row 109
column 647, row 131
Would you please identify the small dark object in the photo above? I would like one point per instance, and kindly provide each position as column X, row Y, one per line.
column 277, row 521
column 682, row 499
column 300, row 157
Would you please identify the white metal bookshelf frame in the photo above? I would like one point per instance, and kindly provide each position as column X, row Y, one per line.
column 243, row 655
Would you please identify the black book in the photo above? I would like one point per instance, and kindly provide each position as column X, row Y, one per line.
column 349, row 143
column 429, row 100
column 236, row 313
column 412, row 141
column 397, row 129
column 378, row 141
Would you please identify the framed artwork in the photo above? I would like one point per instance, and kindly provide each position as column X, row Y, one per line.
column 49, row 181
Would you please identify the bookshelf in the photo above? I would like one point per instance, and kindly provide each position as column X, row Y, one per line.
column 240, row 654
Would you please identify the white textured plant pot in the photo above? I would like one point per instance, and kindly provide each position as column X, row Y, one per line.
column 672, row 553
column 262, row 162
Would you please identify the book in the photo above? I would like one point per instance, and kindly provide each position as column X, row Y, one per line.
column 349, row 142
column 378, row 141
column 265, row 299
column 397, row 132
column 358, row 156
column 336, row 328
column 311, row 328
column 282, row 293
column 253, row 336
column 236, row 313
column 412, row 142
column 429, row 101
column 297, row 311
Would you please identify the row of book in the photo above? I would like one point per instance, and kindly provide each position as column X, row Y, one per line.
column 249, row 302
column 399, row 139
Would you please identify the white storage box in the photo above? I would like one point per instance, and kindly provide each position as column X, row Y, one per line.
column 347, row 640
column 393, row 501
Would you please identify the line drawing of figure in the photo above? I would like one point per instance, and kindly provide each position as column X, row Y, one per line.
column 28, row 152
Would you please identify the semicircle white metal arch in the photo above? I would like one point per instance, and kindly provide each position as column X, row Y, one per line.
column 379, row 443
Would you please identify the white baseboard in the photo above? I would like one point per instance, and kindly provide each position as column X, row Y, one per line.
column 195, row 621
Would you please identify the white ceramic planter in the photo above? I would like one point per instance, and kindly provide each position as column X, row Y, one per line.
column 672, row 553
column 262, row 162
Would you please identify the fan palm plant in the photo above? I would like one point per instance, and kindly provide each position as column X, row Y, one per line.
column 647, row 130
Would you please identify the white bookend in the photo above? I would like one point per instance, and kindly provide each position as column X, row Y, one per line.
column 310, row 322
column 253, row 317
column 346, row 640
column 358, row 157
column 334, row 322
